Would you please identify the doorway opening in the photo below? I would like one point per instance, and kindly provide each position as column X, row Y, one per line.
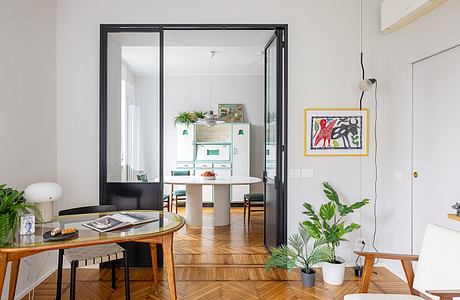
column 171, row 74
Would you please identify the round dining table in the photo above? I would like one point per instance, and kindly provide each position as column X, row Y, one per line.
column 194, row 201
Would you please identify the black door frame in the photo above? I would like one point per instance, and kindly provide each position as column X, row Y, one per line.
column 106, row 28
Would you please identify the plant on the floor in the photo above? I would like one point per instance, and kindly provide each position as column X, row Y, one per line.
column 185, row 118
column 12, row 205
column 296, row 253
column 329, row 224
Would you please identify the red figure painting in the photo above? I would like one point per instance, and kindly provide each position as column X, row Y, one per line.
column 325, row 132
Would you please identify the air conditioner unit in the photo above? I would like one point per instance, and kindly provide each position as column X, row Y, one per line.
column 396, row 14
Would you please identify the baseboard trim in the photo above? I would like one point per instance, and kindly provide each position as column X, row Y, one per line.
column 42, row 278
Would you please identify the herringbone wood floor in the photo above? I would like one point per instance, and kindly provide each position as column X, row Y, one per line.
column 218, row 263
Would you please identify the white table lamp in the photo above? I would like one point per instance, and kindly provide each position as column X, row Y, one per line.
column 43, row 194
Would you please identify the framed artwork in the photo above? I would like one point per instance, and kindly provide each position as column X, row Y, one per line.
column 336, row 131
column 232, row 113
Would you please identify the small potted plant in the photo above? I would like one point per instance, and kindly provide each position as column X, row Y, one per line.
column 296, row 254
column 198, row 114
column 329, row 224
column 185, row 118
column 12, row 206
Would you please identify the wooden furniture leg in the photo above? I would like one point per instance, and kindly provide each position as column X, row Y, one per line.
column 153, row 255
column 409, row 271
column 367, row 273
column 13, row 278
column 169, row 262
column 3, row 264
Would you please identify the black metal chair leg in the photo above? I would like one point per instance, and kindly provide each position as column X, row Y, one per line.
column 59, row 274
column 127, row 289
column 114, row 275
column 73, row 278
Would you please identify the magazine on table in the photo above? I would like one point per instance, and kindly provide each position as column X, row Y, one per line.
column 119, row 220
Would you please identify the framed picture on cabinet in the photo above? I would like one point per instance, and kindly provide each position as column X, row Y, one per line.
column 232, row 113
column 336, row 132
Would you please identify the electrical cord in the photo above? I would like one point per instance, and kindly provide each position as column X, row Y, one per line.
column 374, row 235
column 363, row 75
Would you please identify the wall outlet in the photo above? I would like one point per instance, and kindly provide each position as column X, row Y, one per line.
column 359, row 243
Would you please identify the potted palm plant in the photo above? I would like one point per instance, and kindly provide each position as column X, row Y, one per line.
column 12, row 206
column 296, row 254
column 329, row 224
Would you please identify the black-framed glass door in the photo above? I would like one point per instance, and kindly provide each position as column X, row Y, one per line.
column 275, row 163
column 131, row 123
column 118, row 172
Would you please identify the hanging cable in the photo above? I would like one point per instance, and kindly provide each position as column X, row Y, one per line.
column 374, row 235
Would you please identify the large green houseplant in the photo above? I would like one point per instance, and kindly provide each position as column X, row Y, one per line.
column 296, row 254
column 329, row 224
column 12, row 206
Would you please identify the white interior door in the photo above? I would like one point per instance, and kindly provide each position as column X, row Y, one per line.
column 436, row 156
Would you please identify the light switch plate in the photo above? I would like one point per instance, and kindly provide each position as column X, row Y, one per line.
column 294, row 173
column 307, row 173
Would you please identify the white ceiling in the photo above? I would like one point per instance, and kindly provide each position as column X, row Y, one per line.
column 187, row 52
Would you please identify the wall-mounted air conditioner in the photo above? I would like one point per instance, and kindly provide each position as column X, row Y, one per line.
column 396, row 14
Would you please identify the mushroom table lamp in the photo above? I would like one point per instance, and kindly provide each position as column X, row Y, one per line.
column 43, row 194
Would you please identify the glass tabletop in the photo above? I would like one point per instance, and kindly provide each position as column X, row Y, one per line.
column 164, row 223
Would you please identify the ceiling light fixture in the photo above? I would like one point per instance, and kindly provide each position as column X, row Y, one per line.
column 210, row 118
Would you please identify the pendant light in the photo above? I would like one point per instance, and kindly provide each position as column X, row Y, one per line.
column 210, row 119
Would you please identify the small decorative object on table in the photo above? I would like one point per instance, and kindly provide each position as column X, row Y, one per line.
column 43, row 194
column 208, row 175
column 457, row 207
column 27, row 224
column 59, row 234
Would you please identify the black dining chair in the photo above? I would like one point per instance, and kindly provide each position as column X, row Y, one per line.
column 91, row 255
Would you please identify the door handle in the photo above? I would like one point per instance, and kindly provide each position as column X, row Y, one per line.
column 415, row 174
column 235, row 151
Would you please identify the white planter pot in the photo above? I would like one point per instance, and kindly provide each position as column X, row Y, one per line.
column 334, row 273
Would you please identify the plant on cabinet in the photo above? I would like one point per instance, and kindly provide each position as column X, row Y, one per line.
column 329, row 224
column 296, row 254
column 185, row 118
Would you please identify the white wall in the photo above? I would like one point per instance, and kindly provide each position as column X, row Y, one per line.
column 147, row 97
column 28, row 110
column 191, row 92
column 436, row 31
column 323, row 49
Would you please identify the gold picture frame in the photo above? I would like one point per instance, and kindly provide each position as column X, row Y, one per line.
column 336, row 132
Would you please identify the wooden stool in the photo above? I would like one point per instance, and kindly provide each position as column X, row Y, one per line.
column 252, row 200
